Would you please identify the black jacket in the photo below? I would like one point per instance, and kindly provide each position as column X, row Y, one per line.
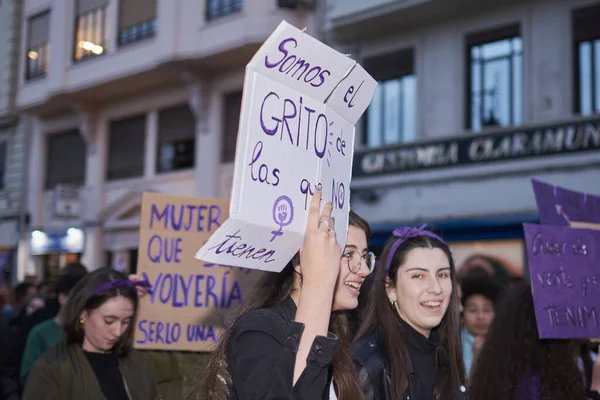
column 374, row 372
column 261, row 354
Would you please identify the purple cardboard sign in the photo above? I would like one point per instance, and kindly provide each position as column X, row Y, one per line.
column 560, row 206
column 565, row 278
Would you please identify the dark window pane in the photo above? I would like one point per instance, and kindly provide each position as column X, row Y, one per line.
column 126, row 148
column 495, row 78
column 65, row 159
column 2, row 165
column 37, row 46
column 176, row 139
column 231, row 118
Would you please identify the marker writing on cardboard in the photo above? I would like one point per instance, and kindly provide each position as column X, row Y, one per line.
column 290, row 112
column 315, row 76
column 263, row 174
column 195, row 290
column 199, row 217
column 243, row 249
column 170, row 333
column 351, row 91
column 338, row 193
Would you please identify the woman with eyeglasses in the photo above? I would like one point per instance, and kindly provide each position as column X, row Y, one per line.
column 291, row 338
column 409, row 344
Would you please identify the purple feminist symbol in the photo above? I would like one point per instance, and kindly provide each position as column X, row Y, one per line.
column 283, row 214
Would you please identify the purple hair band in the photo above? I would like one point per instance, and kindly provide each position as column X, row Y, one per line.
column 404, row 234
column 120, row 284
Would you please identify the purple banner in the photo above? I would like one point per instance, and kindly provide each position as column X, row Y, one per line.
column 560, row 206
column 565, row 279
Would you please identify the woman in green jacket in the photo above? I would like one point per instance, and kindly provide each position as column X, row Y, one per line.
column 96, row 360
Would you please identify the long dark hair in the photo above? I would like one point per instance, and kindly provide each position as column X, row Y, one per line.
column 394, row 336
column 272, row 289
column 81, row 299
column 513, row 354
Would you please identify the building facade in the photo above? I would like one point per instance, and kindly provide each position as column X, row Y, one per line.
column 12, row 140
column 475, row 99
column 125, row 97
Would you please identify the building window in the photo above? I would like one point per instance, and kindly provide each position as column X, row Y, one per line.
column 495, row 83
column 91, row 29
column 2, row 164
column 220, row 8
column 65, row 159
column 586, row 34
column 297, row 4
column 176, row 139
column 137, row 21
column 392, row 115
column 38, row 45
column 127, row 139
column 232, row 106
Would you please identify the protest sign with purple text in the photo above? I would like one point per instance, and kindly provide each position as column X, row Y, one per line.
column 300, row 103
column 189, row 300
column 564, row 266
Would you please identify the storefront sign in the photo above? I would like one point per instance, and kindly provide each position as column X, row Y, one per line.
column 565, row 138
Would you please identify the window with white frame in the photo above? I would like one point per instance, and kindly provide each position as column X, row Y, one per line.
column 392, row 115
column 91, row 29
column 38, row 44
column 586, row 36
column 126, row 148
column 65, row 159
column 495, row 80
column 176, row 139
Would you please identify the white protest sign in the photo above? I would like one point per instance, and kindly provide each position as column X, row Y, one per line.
column 300, row 104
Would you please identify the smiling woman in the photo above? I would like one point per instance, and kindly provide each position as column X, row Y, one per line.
column 96, row 359
column 284, row 343
column 409, row 343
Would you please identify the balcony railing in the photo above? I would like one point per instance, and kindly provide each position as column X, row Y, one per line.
column 220, row 8
column 135, row 33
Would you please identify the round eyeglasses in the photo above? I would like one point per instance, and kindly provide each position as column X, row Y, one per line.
column 355, row 260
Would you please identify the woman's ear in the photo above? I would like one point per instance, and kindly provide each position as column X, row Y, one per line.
column 390, row 289
column 296, row 263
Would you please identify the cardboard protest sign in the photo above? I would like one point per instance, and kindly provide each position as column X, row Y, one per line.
column 188, row 301
column 565, row 278
column 300, row 103
column 560, row 206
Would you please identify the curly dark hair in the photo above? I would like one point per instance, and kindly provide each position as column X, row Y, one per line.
column 514, row 356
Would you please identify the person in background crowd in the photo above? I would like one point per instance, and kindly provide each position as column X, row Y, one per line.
column 32, row 304
column 409, row 344
column 494, row 266
column 45, row 289
column 95, row 360
column 479, row 295
column 286, row 342
column 515, row 363
column 586, row 359
column 47, row 333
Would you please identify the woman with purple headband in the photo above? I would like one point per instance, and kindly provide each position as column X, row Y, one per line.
column 409, row 343
column 96, row 360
